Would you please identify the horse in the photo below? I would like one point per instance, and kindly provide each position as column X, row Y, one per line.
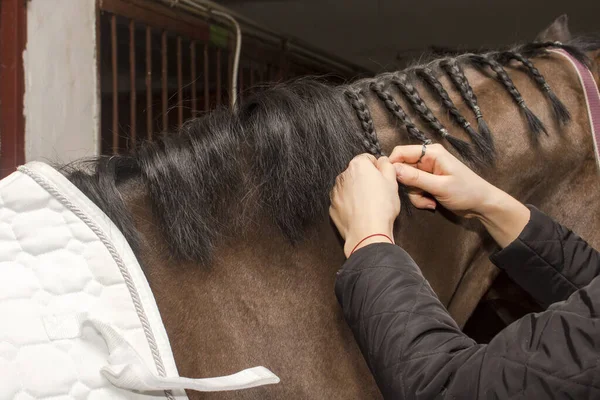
column 229, row 215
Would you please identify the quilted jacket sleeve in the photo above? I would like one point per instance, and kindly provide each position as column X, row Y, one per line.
column 548, row 260
column 416, row 351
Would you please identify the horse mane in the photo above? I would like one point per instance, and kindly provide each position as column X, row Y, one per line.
column 279, row 152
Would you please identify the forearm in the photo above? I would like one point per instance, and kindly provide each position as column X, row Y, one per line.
column 548, row 260
column 503, row 216
column 415, row 350
column 399, row 323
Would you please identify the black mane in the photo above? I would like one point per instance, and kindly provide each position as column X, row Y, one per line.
column 282, row 149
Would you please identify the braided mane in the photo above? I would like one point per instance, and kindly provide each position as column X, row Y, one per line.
column 481, row 148
column 276, row 156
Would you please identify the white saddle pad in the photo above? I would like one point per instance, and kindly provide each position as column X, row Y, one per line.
column 77, row 317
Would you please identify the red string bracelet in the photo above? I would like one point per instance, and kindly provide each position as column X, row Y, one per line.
column 369, row 237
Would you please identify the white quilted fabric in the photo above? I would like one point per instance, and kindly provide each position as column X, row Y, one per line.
column 60, row 256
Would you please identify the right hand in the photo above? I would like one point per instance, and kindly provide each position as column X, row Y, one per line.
column 439, row 173
column 459, row 189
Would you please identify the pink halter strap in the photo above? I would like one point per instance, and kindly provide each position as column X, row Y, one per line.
column 592, row 96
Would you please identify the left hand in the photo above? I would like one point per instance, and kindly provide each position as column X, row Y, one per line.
column 365, row 201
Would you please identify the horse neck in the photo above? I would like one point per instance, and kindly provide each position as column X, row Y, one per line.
column 265, row 301
column 261, row 301
column 453, row 254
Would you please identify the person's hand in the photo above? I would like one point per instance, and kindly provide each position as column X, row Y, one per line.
column 365, row 201
column 443, row 176
column 458, row 189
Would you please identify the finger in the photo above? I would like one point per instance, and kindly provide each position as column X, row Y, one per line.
column 413, row 154
column 387, row 169
column 333, row 194
column 419, row 200
column 406, row 154
column 370, row 157
column 414, row 177
column 334, row 190
column 362, row 157
column 339, row 180
column 333, row 213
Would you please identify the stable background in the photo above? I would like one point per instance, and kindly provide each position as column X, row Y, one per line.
column 387, row 34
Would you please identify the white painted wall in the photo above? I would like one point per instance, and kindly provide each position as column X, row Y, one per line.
column 61, row 89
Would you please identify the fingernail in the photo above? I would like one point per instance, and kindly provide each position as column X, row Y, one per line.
column 431, row 207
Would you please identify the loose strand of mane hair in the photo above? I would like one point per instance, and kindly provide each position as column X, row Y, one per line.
column 558, row 108
column 535, row 125
column 484, row 147
column 460, row 82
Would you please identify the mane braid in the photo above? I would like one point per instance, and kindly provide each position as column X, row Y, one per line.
column 417, row 103
column 458, row 78
column 535, row 125
column 392, row 105
column 484, row 147
column 371, row 141
column 559, row 109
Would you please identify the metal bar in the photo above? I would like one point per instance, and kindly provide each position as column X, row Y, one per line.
column 230, row 70
column 13, row 34
column 205, row 8
column 157, row 15
column 179, row 84
column 165, row 82
column 149, row 122
column 193, row 76
column 206, row 80
column 218, row 76
column 283, row 67
column 133, row 95
column 115, row 84
column 272, row 74
column 280, row 69
column 189, row 21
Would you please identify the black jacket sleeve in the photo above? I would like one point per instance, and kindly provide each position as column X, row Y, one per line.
column 416, row 351
column 548, row 260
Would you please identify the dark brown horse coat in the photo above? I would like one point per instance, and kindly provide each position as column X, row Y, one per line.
column 229, row 216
